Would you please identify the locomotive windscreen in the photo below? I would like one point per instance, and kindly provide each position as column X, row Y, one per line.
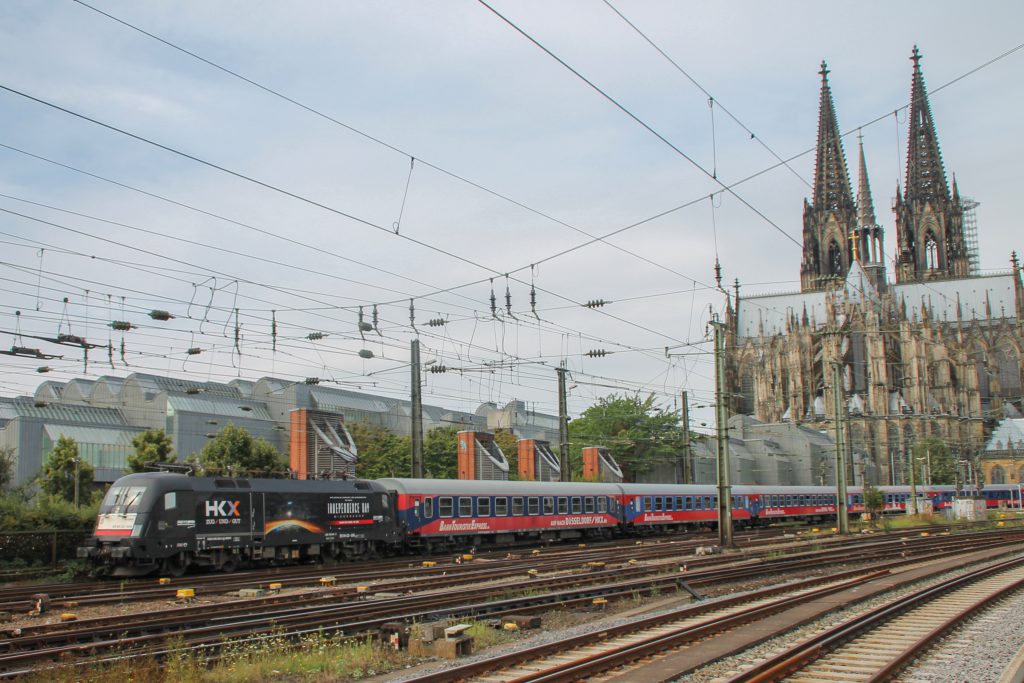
column 119, row 510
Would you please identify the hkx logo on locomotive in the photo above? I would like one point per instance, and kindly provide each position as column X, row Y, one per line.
column 223, row 508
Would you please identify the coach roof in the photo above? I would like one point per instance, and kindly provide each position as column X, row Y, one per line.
column 460, row 487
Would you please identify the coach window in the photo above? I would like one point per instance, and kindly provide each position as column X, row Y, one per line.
column 602, row 504
column 517, row 506
column 534, row 505
column 577, row 505
column 465, row 506
column 588, row 504
column 679, row 502
column 428, row 508
column 563, row 505
column 483, row 507
column 501, row 507
column 549, row 505
column 444, row 506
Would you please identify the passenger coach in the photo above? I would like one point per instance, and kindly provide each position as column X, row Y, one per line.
column 445, row 513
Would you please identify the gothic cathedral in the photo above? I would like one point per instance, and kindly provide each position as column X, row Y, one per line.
column 936, row 352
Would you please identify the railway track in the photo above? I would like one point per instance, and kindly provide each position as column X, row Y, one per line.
column 876, row 645
column 20, row 598
column 342, row 611
column 582, row 657
column 678, row 642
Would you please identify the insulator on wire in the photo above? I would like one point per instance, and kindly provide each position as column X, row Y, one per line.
column 365, row 353
column 436, row 322
column 194, row 351
column 596, row 353
column 160, row 315
column 438, row 369
column 596, row 303
column 315, row 336
column 312, row 380
column 363, row 326
column 44, row 369
column 122, row 325
column 71, row 339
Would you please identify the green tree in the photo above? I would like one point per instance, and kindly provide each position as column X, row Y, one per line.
column 234, row 452
column 7, row 463
column 60, row 468
column 638, row 433
column 382, row 453
column 509, row 445
column 152, row 447
column 441, row 453
column 934, row 452
column 874, row 500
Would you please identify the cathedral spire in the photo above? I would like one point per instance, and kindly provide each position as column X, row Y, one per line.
column 831, row 182
column 830, row 215
column 929, row 223
column 865, row 206
column 926, row 178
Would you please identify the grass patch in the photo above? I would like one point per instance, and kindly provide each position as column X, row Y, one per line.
column 485, row 635
column 316, row 658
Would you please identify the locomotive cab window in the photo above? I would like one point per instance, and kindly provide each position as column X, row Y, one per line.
column 549, row 505
column 444, row 506
column 517, row 506
column 465, row 506
column 483, row 507
column 170, row 500
column 122, row 500
column 501, row 507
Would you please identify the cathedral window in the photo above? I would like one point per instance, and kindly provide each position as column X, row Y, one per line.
column 835, row 259
column 998, row 475
column 747, row 398
column 981, row 368
column 931, row 252
column 1008, row 370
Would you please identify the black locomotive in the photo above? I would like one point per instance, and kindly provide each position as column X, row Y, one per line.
column 171, row 521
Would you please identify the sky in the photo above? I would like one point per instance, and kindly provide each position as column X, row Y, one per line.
column 262, row 171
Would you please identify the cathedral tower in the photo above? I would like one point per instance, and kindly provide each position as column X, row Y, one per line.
column 929, row 221
column 831, row 216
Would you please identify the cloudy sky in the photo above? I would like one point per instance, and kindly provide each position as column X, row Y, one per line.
column 311, row 158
